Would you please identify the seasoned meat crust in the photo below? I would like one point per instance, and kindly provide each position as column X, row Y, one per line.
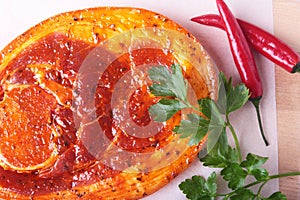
column 74, row 99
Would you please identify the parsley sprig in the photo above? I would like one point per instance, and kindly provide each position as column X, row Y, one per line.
column 211, row 117
column 171, row 85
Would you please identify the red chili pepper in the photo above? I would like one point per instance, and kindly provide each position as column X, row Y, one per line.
column 262, row 41
column 242, row 57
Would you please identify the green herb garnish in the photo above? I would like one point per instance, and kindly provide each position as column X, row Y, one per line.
column 171, row 86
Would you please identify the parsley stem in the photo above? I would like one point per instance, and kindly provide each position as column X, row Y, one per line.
column 193, row 107
column 263, row 182
column 261, row 186
column 274, row 177
column 236, row 140
column 187, row 103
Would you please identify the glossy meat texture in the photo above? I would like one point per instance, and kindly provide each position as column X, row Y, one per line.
column 74, row 106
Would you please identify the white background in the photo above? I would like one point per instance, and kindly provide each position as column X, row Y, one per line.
column 18, row 16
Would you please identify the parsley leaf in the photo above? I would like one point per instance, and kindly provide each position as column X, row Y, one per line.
column 180, row 84
column 213, row 136
column 231, row 98
column 218, row 159
column 216, row 122
column 211, row 185
column 167, row 83
column 260, row 174
column 158, row 90
column 253, row 163
column 221, row 155
column 195, row 127
column 237, row 97
column 217, row 156
column 235, row 175
column 277, row 196
column 165, row 109
column 243, row 194
column 197, row 188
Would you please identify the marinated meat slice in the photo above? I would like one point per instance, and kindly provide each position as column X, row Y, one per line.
column 74, row 99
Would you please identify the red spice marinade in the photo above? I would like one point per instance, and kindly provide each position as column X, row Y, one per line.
column 74, row 99
column 58, row 60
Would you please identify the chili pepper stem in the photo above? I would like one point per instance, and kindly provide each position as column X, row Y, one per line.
column 255, row 102
column 296, row 68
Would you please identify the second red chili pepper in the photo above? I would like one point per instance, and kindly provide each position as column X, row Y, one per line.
column 242, row 57
column 262, row 41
